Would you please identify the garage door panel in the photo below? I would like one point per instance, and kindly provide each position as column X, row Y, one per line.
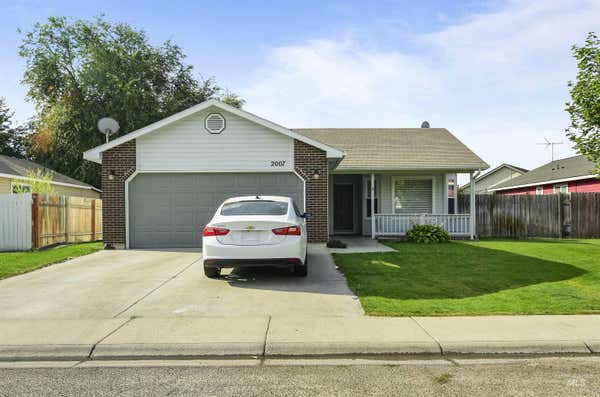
column 170, row 210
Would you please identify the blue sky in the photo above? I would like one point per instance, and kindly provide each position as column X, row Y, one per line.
column 494, row 72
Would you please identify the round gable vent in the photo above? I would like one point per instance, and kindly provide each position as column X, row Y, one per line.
column 214, row 123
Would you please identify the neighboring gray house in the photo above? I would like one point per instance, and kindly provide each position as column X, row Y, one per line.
column 162, row 183
column 485, row 182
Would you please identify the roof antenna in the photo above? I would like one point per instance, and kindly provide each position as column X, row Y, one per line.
column 550, row 144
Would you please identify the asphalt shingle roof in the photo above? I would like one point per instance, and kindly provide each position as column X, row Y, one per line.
column 570, row 167
column 20, row 167
column 397, row 148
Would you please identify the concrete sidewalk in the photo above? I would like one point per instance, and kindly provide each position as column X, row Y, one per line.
column 181, row 337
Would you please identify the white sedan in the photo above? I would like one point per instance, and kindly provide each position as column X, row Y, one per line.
column 256, row 231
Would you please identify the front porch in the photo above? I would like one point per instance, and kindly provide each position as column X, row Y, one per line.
column 389, row 203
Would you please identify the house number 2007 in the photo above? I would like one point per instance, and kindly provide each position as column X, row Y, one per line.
column 278, row 163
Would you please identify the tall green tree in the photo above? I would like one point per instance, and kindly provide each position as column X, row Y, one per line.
column 584, row 107
column 13, row 139
column 80, row 71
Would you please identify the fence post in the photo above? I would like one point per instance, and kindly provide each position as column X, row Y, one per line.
column 565, row 221
column 66, row 218
column 93, row 223
column 36, row 220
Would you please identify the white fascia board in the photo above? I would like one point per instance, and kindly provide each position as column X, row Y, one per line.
column 541, row 183
column 95, row 153
column 441, row 167
column 24, row 178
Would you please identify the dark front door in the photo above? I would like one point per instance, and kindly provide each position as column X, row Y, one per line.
column 343, row 208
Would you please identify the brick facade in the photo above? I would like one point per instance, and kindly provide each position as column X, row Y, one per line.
column 309, row 160
column 120, row 161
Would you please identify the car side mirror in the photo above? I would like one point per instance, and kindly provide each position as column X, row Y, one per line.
column 307, row 215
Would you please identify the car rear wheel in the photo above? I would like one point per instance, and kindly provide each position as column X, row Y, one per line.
column 301, row 270
column 212, row 271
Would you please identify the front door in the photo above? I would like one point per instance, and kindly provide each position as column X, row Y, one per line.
column 343, row 208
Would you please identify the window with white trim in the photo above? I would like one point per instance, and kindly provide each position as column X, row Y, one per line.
column 564, row 188
column 413, row 196
column 367, row 196
column 539, row 190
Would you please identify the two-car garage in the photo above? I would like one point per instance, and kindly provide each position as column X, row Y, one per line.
column 171, row 209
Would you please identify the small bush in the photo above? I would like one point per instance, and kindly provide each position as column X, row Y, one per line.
column 427, row 234
column 336, row 244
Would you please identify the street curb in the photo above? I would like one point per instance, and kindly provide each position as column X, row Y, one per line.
column 45, row 352
column 512, row 347
column 201, row 351
column 310, row 337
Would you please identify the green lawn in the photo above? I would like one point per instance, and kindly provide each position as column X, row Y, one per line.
column 476, row 278
column 13, row 263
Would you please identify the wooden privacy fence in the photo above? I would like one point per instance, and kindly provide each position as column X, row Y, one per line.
column 553, row 215
column 62, row 219
column 585, row 215
column 15, row 222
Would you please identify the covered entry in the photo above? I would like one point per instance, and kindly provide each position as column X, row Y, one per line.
column 169, row 210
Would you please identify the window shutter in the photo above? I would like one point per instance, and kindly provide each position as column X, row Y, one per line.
column 413, row 196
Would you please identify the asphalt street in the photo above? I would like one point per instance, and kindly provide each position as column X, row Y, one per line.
column 577, row 376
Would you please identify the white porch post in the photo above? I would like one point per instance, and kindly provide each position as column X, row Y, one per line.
column 372, row 205
column 455, row 193
column 472, row 230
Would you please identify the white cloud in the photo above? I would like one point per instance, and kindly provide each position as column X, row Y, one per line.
column 318, row 82
column 497, row 80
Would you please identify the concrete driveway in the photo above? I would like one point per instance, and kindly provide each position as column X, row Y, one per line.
column 124, row 284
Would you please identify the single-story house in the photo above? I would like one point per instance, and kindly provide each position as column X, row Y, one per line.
column 485, row 182
column 569, row 175
column 15, row 175
column 162, row 183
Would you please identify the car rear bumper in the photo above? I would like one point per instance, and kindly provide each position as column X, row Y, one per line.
column 286, row 253
column 275, row 262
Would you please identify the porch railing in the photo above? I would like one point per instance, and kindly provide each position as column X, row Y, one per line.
column 399, row 224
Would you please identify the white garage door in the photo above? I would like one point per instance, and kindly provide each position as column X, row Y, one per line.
column 170, row 210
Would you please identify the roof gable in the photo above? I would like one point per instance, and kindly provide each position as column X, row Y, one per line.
column 499, row 168
column 95, row 153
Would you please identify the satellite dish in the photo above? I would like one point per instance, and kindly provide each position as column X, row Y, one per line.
column 425, row 124
column 108, row 126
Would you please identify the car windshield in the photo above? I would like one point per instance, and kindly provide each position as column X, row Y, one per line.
column 255, row 207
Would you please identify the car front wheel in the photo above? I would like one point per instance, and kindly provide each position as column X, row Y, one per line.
column 301, row 270
column 212, row 271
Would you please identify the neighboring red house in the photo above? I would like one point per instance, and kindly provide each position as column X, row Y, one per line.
column 570, row 175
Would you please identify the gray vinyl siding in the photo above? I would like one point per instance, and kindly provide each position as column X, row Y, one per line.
column 490, row 180
column 186, row 146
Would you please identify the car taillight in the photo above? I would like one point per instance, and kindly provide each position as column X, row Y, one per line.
column 287, row 231
column 214, row 231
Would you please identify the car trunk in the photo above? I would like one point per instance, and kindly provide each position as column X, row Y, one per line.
column 249, row 230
